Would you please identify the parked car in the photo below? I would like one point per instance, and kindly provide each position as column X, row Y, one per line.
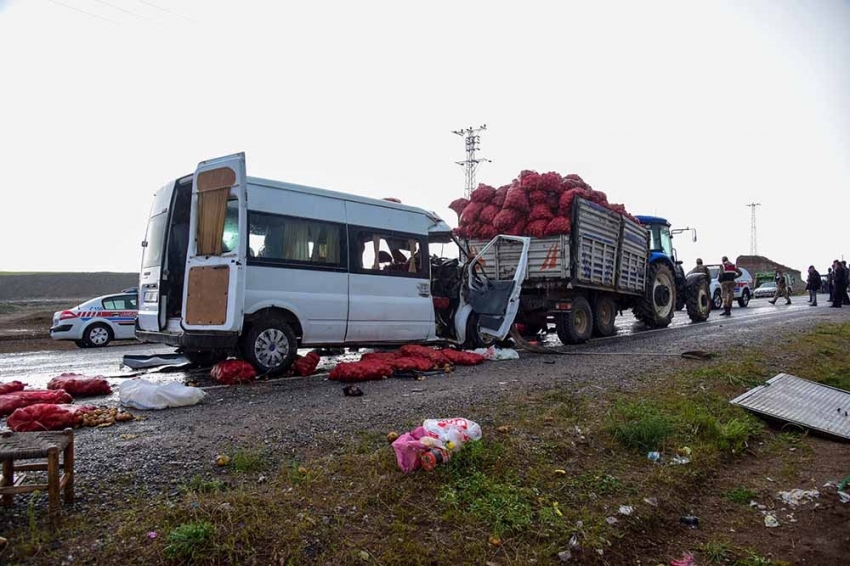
column 743, row 287
column 98, row 322
column 766, row 289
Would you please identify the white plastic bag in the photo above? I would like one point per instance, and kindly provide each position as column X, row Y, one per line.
column 145, row 395
column 453, row 433
column 497, row 354
column 488, row 353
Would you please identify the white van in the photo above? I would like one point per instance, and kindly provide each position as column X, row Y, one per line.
column 236, row 264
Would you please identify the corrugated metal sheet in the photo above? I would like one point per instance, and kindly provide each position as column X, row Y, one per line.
column 548, row 258
column 801, row 402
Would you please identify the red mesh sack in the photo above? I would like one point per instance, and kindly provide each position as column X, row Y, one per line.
column 517, row 229
column 361, row 371
column 458, row 205
column 598, row 197
column 461, row 232
column 471, row 212
column 306, row 365
column 17, row 399
column 487, row 232
column 583, row 193
column 499, row 196
column 537, row 228
column 574, row 177
column 473, row 231
column 483, row 194
column 379, row 356
column 550, row 181
column 488, row 213
column 416, row 351
column 516, row 199
column 529, row 180
column 566, row 201
column 412, row 364
column 232, row 372
column 11, row 387
column 537, row 197
column 506, row 219
column 558, row 225
column 541, row 212
column 463, row 358
column 80, row 386
column 441, row 303
column 47, row 416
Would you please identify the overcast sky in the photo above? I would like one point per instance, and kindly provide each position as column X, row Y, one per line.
column 687, row 110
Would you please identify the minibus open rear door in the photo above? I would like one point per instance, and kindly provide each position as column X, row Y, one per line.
column 214, row 283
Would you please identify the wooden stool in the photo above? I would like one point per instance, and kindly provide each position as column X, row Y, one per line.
column 37, row 445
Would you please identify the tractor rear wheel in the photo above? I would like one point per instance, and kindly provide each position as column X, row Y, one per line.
column 698, row 301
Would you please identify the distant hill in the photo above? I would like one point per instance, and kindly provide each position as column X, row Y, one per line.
column 42, row 286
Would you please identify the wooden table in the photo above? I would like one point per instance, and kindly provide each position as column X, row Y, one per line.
column 36, row 446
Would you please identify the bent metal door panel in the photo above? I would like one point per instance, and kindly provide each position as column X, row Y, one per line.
column 151, row 308
column 389, row 287
column 215, row 268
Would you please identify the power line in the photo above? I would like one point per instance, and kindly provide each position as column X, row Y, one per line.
column 84, row 12
column 470, row 164
column 114, row 7
column 154, row 6
column 753, row 241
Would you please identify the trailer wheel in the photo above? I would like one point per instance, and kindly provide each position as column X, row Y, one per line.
column 576, row 326
column 603, row 316
column 474, row 337
column 658, row 304
column 270, row 345
column 698, row 301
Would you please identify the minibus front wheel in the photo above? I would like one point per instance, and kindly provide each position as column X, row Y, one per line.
column 269, row 345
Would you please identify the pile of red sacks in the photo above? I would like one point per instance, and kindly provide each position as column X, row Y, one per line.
column 17, row 399
column 408, row 359
column 305, row 365
column 233, row 372
column 532, row 205
column 41, row 416
column 80, row 386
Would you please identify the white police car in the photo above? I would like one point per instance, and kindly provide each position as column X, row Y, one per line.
column 99, row 321
column 743, row 287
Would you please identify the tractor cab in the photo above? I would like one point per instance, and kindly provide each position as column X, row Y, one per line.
column 660, row 238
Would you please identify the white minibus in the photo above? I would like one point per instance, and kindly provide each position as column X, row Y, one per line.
column 236, row 265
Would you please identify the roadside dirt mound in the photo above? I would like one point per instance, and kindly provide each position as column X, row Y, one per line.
column 40, row 286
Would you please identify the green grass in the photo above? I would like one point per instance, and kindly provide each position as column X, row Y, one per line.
column 248, row 461
column 641, row 426
column 740, row 495
column 200, row 485
column 716, row 552
column 190, row 541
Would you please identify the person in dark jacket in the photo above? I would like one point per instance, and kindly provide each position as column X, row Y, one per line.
column 839, row 290
column 728, row 273
column 813, row 284
column 846, row 282
column 830, row 278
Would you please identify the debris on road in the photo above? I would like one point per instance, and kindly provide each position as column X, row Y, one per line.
column 433, row 443
column 770, row 522
column 654, row 456
column 687, row 559
column 233, row 372
column 144, row 362
column 690, row 520
column 392, row 436
column 802, row 402
column 222, row 460
column 497, row 354
column 797, row 496
column 146, row 395
column 626, row 510
column 78, row 385
column 352, row 391
column 47, row 416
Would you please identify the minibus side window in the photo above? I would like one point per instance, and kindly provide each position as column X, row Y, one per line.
column 377, row 253
column 275, row 239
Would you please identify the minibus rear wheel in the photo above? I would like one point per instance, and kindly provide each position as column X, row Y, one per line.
column 270, row 346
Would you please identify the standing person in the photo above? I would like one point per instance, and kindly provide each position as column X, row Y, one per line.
column 813, row 286
column 846, row 282
column 829, row 282
column 728, row 273
column 839, row 290
column 781, row 288
column 700, row 268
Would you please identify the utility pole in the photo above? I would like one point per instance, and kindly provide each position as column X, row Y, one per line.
column 470, row 164
column 753, row 242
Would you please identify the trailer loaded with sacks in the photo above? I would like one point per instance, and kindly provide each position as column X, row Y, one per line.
column 602, row 262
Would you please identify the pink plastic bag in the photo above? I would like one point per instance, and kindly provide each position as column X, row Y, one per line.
column 408, row 448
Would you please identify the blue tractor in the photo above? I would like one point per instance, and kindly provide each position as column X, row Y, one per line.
column 668, row 288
